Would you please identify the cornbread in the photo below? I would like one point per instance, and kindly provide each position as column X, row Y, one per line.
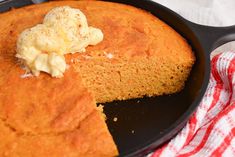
column 64, row 30
column 44, row 116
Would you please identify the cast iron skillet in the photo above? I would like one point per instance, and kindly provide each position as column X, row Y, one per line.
column 156, row 120
column 147, row 123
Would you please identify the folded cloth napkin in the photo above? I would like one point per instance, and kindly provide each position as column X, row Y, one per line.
column 211, row 129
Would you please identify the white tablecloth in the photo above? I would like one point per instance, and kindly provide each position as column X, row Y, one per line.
column 206, row 12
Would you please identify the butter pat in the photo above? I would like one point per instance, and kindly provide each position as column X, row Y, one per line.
column 64, row 30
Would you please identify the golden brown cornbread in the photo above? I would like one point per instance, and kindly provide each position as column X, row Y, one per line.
column 90, row 138
column 140, row 55
column 50, row 117
column 148, row 56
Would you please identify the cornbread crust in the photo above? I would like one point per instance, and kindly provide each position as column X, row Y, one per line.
column 47, row 116
column 50, row 117
column 91, row 138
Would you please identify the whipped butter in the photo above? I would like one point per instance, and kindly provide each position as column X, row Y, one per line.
column 64, row 30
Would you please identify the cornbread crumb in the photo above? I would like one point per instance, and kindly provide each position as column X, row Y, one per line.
column 115, row 119
column 109, row 55
column 74, row 60
column 25, row 75
column 100, row 107
column 87, row 57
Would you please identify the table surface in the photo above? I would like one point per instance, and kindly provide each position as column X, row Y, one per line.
column 206, row 12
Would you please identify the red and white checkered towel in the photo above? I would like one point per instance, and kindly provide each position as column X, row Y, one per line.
column 210, row 132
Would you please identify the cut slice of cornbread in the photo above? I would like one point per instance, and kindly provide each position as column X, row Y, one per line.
column 90, row 138
column 42, row 116
column 140, row 55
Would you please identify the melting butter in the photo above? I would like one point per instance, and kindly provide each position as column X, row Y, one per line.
column 64, row 30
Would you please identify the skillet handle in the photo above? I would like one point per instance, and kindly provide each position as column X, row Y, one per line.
column 212, row 37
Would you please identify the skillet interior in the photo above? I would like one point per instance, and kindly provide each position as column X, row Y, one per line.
column 144, row 124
